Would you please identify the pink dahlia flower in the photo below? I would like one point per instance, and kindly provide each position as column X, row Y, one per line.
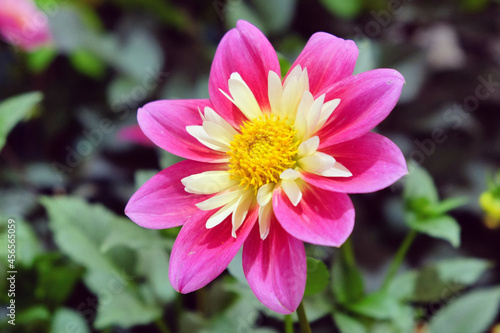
column 23, row 24
column 268, row 162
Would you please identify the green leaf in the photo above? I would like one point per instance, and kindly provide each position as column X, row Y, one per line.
column 33, row 314
column 285, row 64
column 67, row 320
column 13, row 110
column 142, row 176
column 153, row 264
column 348, row 324
column 347, row 282
column 472, row 313
column 104, row 244
column 346, row 9
column 28, row 246
column 438, row 281
column 317, row 276
column 447, row 205
column 443, row 227
column 378, row 305
column 419, row 185
column 87, row 63
column 276, row 14
column 55, row 278
column 38, row 60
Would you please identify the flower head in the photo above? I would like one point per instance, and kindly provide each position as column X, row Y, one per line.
column 268, row 162
column 23, row 24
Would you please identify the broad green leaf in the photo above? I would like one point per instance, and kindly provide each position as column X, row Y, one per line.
column 153, row 264
column 348, row 324
column 447, row 205
column 346, row 9
column 471, row 313
column 419, row 184
column 56, row 279
column 443, row 227
column 439, row 280
column 379, row 305
column 27, row 245
column 13, row 110
column 67, row 320
column 317, row 276
column 347, row 282
column 104, row 244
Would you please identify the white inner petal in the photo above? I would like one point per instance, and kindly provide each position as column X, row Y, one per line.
column 219, row 200
column 208, row 182
column 202, row 136
column 241, row 211
column 275, row 92
column 316, row 162
column 292, row 191
column 243, row 97
column 221, row 214
column 265, row 194
column 308, row 147
column 265, row 213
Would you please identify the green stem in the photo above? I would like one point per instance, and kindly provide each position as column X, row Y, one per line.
column 288, row 324
column 398, row 259
column 348, row 253
column 304, row 323
column 162, row 327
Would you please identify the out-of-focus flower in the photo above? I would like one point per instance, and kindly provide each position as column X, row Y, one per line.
column 490, row 203
column 269, row 162
column 134, row 134
column 496, row 329
column 23, row 24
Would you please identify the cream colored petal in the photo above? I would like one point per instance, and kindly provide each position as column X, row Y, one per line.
column 208, row 182
column 305, row 104
column 221, row 214
column 265, row 194
column 338, row 170
column 316, row 163
column 243, row 97
column 289, row 174
column 241, row 211
column 265, row 213
column 201, row 135
column 314, row 114
column 275, row 92
column 218, row 133
column 308, row 147
column 304, row 80
column 219, row 200
column 292, row 191
column 291, row 98
column 326, row 112
column 295, row 73
column 212, row 116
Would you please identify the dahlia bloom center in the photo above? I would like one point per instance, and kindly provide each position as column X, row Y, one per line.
column 264, row 149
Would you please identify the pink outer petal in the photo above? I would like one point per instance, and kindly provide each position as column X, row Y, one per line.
column 199, row 254
column 374, row 161
column 365, row 100
column 328, row 59
column 134, row 134
column 165, row 121
column 162, row 201
column 275, row 268
column 247, row 51
column 322, row 217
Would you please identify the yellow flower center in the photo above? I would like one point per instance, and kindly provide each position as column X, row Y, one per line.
column 262, row 151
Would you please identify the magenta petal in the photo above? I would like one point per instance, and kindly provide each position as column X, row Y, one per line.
column 247, row 51
column 199, row 254
column 322, row 217
column 165, row 121
column 374, row 161
column 162, row 201
column 328, row 59
column 365, row 100
column 275, row 268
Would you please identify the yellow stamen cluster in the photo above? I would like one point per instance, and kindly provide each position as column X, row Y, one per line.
column 262, row 151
